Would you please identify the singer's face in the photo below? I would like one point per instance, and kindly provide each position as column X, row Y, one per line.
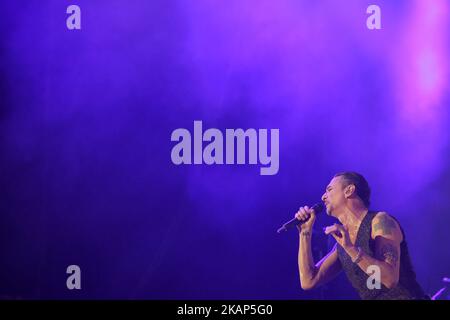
column 334, row 197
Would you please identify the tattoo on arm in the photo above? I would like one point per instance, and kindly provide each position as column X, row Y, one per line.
column 389, row 254
column 305, row 234
column 386, row 225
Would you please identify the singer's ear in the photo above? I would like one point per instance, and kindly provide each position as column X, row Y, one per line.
column 349, row 190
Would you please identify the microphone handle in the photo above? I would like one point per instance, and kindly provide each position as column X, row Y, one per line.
column 291, row 223
column 318, row 207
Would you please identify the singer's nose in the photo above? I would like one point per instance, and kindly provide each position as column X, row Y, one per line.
column 324, row 197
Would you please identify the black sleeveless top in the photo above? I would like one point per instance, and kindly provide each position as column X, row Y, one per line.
column 407, row 287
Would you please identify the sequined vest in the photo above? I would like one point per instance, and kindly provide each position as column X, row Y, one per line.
column 407, row 288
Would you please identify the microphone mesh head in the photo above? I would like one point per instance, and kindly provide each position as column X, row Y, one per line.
column 318, row 207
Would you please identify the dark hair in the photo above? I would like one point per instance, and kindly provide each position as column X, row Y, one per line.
column 361, row 186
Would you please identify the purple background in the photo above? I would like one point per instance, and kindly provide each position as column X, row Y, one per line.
column 86, row 118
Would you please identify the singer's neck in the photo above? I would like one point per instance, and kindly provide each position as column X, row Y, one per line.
column 352, row 215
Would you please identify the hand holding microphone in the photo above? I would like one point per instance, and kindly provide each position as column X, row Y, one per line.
column 304, row 218
column 308, row 216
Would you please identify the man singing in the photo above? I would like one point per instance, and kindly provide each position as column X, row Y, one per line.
column 366, row 241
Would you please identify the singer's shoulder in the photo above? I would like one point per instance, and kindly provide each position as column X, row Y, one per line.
column 383, row 224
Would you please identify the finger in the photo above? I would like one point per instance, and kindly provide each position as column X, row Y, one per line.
column 310, row 210
column 334, row 231
column 336, row 237
column 330, row 229
column 300, row 216
column 340, row 228
column 337, row 233
column 304, row 213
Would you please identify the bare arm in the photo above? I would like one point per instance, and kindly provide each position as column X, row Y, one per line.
column 311, row 275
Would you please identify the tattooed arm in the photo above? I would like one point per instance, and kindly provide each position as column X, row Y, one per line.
column 388, row 236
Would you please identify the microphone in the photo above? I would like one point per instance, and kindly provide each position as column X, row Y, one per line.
column 318, row 207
